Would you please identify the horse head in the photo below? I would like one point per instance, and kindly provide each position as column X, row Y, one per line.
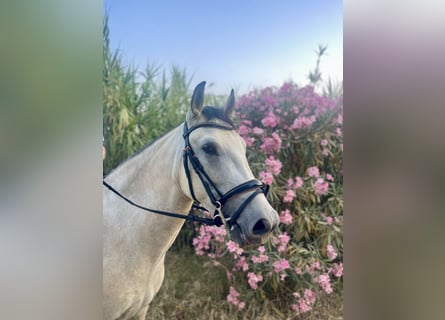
column 220, row 178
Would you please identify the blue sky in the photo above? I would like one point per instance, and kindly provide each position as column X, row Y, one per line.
column 241, row 44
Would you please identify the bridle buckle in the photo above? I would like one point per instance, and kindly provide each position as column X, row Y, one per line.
column 218, row 216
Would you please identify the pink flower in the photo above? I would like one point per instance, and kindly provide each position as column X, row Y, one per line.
column 273, row 165
column 302, row 122
column 337, row 269
column 243, row 130
column 253, row 280
column 320, row 186
column 298, row 182
column 286, row 217
column 266, row 177
column 242, row 264
column 324, row 282
column 329, row 220
column 330, row 251
column 270, row 120
column 325, row 152
column 313, row 172
column 260, row 258
column 206, row 233
column 329, row 177
column 309, row 296
column 287, row 86
column 248, row 140
column 298, row 271
column 314, row 266
column 201, row 242
column 339, row 119
column 303, row 306
column 281, row 265
column 248, row 123
column 233, row 295
column 289, row 196
column 339, row 132
column 290, row 183
column 271, row 144
column 305, row 303
column 295, row 307
column 234, row 248
column 284, row 240
column 258, row 131
column 324, row 143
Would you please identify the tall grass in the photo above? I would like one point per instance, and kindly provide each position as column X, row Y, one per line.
column 193, row 290
column 138, row 107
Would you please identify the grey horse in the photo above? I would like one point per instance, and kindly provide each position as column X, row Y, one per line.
column 135, row 242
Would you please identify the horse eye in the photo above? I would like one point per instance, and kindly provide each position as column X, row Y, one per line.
column 210, row 149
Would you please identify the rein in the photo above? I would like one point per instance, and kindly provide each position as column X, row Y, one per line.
column 217, row 200
column 190, row 217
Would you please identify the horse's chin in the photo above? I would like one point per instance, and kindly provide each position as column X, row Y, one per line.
column 237, row 235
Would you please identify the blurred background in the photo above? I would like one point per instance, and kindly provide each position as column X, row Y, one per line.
column 51, row 104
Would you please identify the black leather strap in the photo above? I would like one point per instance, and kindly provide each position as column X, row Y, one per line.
column 189, row 217
column 248, row 185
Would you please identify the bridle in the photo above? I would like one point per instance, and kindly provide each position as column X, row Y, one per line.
column 219, row 199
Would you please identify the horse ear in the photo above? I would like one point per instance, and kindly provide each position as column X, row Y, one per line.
column 198, row 98
column 230, row 104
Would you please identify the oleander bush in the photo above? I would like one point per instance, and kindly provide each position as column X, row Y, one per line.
column 295, row 144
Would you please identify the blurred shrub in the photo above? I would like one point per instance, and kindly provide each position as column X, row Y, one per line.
column 138, row 107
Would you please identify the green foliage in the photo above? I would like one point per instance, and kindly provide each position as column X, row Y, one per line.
column 315, row 75
column 138, row 107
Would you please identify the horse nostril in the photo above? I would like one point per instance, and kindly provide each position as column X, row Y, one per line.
column 261, row 227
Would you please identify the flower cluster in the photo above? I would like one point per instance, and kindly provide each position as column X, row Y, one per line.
column 205, row 235
column 305, row 302
column 232, row 297
column 295, row 144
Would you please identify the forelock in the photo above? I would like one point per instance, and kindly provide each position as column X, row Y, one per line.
column 211, row 113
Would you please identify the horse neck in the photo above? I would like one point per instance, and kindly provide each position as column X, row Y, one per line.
column 151, row 178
